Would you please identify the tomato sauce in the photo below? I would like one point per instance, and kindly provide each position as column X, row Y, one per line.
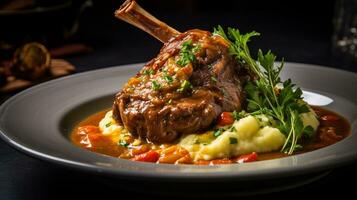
column 332, row 129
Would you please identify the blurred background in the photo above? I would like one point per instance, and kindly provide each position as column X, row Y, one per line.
column 87, row 35
column 82, row 35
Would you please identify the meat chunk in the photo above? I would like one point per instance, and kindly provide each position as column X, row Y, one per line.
column 182, row 90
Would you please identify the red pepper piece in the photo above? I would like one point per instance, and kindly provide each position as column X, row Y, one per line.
column 150, row 156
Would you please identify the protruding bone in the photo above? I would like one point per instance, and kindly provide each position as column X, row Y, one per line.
column 132, row 13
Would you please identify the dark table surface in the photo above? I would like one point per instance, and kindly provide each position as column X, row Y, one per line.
column 305, row 40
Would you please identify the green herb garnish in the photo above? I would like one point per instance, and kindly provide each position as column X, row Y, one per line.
column 224, row 91
column 148, row 72
column 123, row 143
column 233, row 140
column 108, row 124
column 285, row 105
column 168, row 78
column 155, row 85
column 233, row 129
column 187, row 53
column 218, row 132
column 239, row 115
column 214, row 79
column 185, row 85
column 238, row 45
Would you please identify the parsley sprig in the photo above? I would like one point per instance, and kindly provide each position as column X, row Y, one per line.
column 264, row 96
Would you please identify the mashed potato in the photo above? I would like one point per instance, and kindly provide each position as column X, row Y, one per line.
column 247, row 136
column 108, row 126
column 250, row 134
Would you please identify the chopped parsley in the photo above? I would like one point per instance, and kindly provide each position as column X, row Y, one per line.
column 123, row 143
column 218, row 132
column 155, row 85
column 214, row 79
column 108, row 124
column 187, row 53
column 233, row 140
column 168, row 78
column 148, row 72
column 185, row 85
column 224, row 91
column 233, row 129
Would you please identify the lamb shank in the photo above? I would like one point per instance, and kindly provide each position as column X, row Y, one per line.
column 185, row 88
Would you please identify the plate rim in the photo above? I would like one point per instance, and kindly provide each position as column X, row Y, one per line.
column 144, row 175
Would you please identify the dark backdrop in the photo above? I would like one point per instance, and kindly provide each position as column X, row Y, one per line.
column 299, row 30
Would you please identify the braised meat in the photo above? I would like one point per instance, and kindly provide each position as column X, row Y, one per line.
column 183, row 89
